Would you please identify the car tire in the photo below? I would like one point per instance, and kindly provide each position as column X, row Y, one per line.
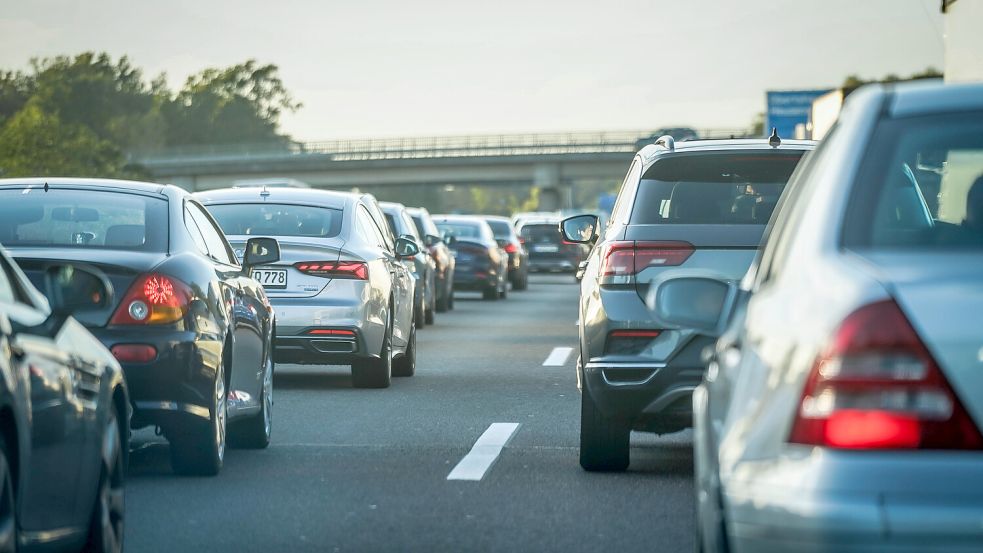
column 521, row 282
column 198, row 449
column 8, row 502
column 450, row 298
column 490, row 294
column 405, row 365
column 442, row 304
column 429, row 316
column 504, row 292
column 604, row 443
column 106, row 526
column 376, row 372
column 420, row 315
column 255, row 431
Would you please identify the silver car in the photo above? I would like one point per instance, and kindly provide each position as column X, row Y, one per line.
column 699, row 205
column 340, row 290
column 842, row 407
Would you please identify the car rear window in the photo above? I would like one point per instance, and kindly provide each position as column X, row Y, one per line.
column 267, row 219
column 713, row 188
column 73, row 218
column 541, row 234
column 920, row 186
column 502, row 229
column 460, row 230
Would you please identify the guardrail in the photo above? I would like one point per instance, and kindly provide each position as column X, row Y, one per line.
column 420, row 147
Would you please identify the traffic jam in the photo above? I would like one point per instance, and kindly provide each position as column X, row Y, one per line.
column 764, row 343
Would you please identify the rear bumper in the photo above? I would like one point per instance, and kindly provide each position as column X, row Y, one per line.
column 474, row 280
column 177, row 384
column 652, row 397
column 552, row 264
column 858, row 501
column 297, row 316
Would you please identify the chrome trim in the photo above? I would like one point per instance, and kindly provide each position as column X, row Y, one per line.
column 666, row 399
column 195, row 410
column 603, row 367
column 49, row 536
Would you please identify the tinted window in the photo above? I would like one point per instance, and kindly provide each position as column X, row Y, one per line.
column 460, row 230
column 408, row 226
column 501, row 228
column 194, row 231
column 213, row 236
column 542, row 234
column 728, row 189
column 82, row 219
column 277, row 220
column 391, row 221
column 920, row 185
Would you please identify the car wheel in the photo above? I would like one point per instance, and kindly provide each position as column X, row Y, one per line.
column 106, row 526
column 490, row 294
column 405, row 365
column 429, row 315
column 376, row 373
column 604, row 442
column 255, row 431
column 8, row 503
column 504, row 291
column 420, row 315
column 443, row 301
column 198, row 449
column 450, row 297
column 521, row 281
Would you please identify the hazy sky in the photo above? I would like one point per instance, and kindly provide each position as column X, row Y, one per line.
column 393, row 68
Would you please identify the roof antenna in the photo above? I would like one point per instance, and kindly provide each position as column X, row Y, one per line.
column 46, row 186
column 774, row 141
column 264, row 193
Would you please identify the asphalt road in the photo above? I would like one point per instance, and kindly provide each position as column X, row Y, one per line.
column 367, row 470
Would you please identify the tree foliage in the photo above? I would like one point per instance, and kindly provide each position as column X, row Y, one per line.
column 854, row 81
column 80, row 115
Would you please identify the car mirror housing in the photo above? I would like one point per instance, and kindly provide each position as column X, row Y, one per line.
column 699, row 302
column 430, row 240
column 406, row 247
column 73, row 288
column 260, row 251
column 580, row 229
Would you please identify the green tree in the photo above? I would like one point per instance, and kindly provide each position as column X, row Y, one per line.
column 239, row 104
column 36, row 143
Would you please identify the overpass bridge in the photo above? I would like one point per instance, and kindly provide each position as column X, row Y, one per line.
column 554, row 162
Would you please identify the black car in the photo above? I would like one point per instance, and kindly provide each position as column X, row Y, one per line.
column 190, row 328
column 64, row 411
column 441, row 254
column 548, row 250
column 480, row 264
column 507, row 238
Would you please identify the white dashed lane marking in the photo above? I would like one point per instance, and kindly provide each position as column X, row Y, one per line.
column 485, row 452
column 558, row 357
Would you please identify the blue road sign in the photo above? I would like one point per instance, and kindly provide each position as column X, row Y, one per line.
column 788, row 108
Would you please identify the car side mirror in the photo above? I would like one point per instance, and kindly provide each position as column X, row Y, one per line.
column 74, row 288
column 430, row 240
column 406, row 247
column 579, row 229
column 260, row 251
column 449, row 239
column 702, row 303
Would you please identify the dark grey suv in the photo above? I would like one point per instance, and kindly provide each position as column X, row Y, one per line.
column 696, row 207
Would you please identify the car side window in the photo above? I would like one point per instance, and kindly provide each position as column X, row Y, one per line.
column 381, row 228
column 7, row 292
column 194, row 231
column 367, row 227
column 626, row 196
column 214, row 240
column 410, row 227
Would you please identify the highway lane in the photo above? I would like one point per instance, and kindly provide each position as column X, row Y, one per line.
column 367, row 470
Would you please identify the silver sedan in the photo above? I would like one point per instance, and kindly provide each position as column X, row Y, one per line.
column 842, row 406
column 340, row 290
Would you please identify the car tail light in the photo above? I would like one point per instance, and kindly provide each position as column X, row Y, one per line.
column 629, row 342
column 628, row 257
column 134, row 353
column 153, row 299
column 878, row 387
column 334, row 269
column 511, row 248
column 331, row 332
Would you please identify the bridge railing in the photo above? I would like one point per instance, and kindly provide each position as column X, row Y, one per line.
column 420, row 147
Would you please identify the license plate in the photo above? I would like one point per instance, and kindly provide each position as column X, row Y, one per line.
column 271, row 278
column 545, row 248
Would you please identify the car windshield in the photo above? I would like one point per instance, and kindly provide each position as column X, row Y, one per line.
column 460, row 230
column 717, row 188
column 277, row 220
column 73, row 218
column 502, row 229
column 921, row 186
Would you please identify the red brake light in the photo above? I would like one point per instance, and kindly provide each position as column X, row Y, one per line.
column 331, row 332
column 153, row 299
column 878, row 387
column 134, row 353
column 635, row 333
column 511, row 248
column 628, row 257
column 334, row 269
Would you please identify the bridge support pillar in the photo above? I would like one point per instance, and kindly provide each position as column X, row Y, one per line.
column 553, row 194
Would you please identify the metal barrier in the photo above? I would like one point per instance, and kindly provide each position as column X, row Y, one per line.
column 421, row 147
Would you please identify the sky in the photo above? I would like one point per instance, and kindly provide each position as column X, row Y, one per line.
column 380, row 68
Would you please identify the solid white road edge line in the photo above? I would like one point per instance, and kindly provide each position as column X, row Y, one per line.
column 485, row 452
column 558, row 357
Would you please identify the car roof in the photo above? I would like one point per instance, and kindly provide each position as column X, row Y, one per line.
column 476, row 219
column 391, row 206
column 330, row 198
column 119, row 184
column 653, row 151
column 933, row 96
